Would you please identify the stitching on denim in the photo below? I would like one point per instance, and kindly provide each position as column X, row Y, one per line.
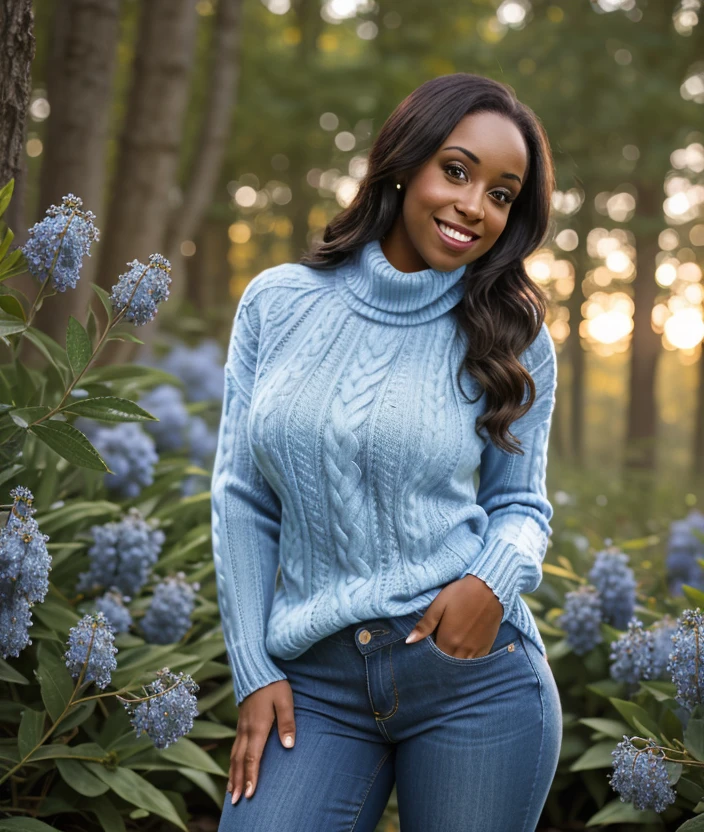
column 366, row 795
column 393, row 679
column 473, row 660
column 542, row 733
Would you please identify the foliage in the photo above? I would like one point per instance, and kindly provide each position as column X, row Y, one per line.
column 86, row 585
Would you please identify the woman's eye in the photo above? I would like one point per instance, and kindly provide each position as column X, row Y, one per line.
column 452, row 167
column 506, row 197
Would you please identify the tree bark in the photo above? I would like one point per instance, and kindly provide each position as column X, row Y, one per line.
column 80, row 89
column 212, row 141
column 148, row 155
column 17, row 48
column 645, row 343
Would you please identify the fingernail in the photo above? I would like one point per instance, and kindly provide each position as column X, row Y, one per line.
column 288, row 740
column 413, row 636
column 235, row 797
column 249, row 789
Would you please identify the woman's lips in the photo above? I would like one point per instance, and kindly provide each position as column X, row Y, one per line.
column 451, row 242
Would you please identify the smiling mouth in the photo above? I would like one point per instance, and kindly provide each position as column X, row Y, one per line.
column 461, row 237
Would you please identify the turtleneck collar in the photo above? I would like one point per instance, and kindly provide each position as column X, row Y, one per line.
column 377, row 290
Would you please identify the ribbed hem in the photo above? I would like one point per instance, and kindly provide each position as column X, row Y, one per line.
column 500, row 566
column 253, row 670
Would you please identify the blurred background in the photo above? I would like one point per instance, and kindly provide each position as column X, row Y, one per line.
column 227, row 134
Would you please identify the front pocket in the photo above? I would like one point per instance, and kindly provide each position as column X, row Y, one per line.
column 508, row 642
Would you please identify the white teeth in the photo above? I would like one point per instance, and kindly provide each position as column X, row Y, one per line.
column 454, row 234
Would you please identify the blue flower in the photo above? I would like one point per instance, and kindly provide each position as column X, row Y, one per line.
column 632, row 654
column 683, row 550
column 662, row 634
column 90, row 643
column 616, row 585
column 581, row 619
column 15, row 621
column 111, row 604
column 21, row 506
column 168, row 618
column 203, row 441
column 640, row 776
column 131, row 455
column 169, row 715
column 123, row 555
column 152, row 287
column 200, row 368
column 166, row 403
column 685, row 664
column 58, row 243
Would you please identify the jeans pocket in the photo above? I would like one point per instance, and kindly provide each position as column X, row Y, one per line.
column 507, row 641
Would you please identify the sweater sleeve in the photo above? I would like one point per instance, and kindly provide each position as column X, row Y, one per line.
column 246, row 519
column 512, row 491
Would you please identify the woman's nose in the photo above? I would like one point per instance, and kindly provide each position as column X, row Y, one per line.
column 471, row 203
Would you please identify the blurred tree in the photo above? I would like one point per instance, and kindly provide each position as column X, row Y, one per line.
column 16, row 56
column 80, row 75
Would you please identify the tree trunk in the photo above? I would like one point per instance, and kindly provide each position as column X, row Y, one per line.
column 16, row 55
column 80, row 86
column 645, row 343
column 212, row 141
column 148, row 156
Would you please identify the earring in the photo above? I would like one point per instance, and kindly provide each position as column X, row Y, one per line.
column 398, row 186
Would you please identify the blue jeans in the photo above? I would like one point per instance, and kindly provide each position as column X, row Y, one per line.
column 471, row 744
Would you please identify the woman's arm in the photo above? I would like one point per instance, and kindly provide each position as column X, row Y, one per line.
column 246, row 518
column 513, row 493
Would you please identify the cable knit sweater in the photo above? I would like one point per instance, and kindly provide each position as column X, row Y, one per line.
column 343, row 487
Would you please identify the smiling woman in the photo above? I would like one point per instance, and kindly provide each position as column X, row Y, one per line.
column 370, row 593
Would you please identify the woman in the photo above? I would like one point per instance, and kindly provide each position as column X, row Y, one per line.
column 346, row 459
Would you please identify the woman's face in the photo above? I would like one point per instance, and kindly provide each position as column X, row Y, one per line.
column 469, row 184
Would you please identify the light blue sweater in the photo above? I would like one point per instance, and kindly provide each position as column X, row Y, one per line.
column 346, row 456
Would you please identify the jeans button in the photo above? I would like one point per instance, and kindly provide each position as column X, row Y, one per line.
column 364, row 637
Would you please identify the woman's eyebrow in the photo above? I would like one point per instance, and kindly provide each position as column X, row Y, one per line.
column 476, row 161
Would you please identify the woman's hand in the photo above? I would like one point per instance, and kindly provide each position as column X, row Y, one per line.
column 256, row 716
column 472, row 616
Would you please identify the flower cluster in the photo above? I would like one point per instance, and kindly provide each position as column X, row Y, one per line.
column 170, row 714
column 25, row 564
column 57, row 245
column 642, row 654
column 90, row 643
column 130, row 454
column 581, row 619
column 166, row 403
column 615, row 582
column 640, row 775
column 203, row 443
column 123, row 554
column 139, row 290
column 200, row 368
column 684, row 548
column 686, row 664
column 168, row 618
column 112, row 605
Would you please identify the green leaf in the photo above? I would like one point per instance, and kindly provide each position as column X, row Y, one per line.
column 6, row 238
column 131, row 372
column 137, row 791
column 203, row 729
column 24, row 824
column 104, row 299
column 109, row 409
column 14, row 263
column 9, row 674
column 108, row 818
column 632, row 712
column 57, row 616
column 81, row 511
column 694, row 738
column 123, row 335
column 660, row 691
column 31, row 730
column 618, row 812
column 6, row 195
column 605, row 687
column 695, row 596
column 597, row 756
column 692, row 825
column 80, row 779
column 61, row 751
column 612, row 727
column 78, row 346
column 10, row 305
column 69, row 443
column 204, row 782
column 185, row 752
column 49, row 348
column 9, row 325
column 24, row 416
column 54, row 680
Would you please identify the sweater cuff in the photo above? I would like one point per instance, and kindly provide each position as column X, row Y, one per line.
column 253, row 670
column 500, row 566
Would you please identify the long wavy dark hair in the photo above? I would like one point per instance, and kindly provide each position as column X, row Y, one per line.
column 502, row 310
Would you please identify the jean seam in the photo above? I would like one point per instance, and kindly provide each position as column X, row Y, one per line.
column 542, row 732
column 366, row 795
column 393, row 679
